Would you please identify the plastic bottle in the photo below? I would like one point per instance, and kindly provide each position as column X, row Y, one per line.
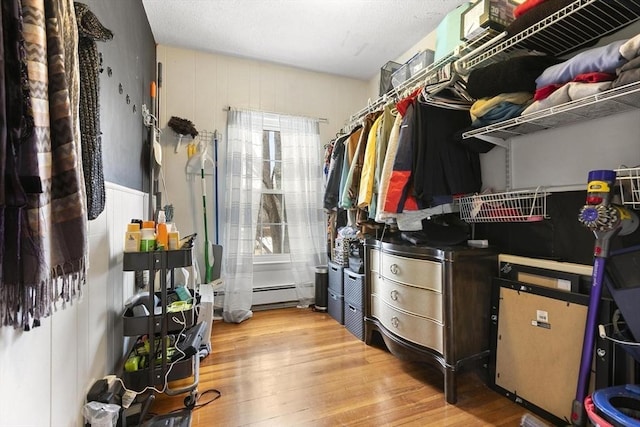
column 148, row 237
column 162, row 238
column 132, row 238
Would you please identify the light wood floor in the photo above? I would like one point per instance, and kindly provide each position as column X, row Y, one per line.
column 295, row 367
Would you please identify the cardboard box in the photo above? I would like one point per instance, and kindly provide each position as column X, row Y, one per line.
column 487, row 14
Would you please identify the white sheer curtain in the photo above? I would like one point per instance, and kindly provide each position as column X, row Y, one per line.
column 302, row 184
column 242, row 203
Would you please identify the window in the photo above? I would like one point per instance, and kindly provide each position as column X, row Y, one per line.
column 272, row 237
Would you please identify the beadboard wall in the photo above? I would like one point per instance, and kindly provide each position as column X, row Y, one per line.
column 50, row 368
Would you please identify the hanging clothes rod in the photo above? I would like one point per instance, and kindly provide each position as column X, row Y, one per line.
column 319, row 119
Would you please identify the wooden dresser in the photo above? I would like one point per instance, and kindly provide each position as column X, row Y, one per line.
column 429, row 304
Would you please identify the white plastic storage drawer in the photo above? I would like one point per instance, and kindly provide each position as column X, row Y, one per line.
column 335, row 306
column 353, row 288
column 354, row 320
column 336, row 278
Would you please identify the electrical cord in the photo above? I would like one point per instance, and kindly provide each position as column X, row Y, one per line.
column 615, row 323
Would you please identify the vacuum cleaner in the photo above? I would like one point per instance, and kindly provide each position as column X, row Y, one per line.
column 606, row 221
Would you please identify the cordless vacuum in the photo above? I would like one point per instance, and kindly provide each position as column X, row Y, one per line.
column 606, row 220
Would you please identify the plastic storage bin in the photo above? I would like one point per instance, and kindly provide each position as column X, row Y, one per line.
column 420, row 61
column 336, row 278
column 354, row 288
column 386, row 72
column 336, row 306
column 354, row 320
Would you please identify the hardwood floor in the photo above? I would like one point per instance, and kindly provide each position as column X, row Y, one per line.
column 294, row 367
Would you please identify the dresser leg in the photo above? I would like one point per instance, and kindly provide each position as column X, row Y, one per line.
column 450, row 394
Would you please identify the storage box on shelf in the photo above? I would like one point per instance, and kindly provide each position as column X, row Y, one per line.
column 386, row 74
column 448, row 32
column 513, row 206
column 486, row 15
column 414, row 66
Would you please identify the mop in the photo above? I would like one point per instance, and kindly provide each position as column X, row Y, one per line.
column 208, row 250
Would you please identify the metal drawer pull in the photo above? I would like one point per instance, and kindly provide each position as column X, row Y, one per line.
column 394, row 268
column 394, row 295
column 395, row 322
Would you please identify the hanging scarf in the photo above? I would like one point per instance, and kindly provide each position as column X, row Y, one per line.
column 91, row 30
column 50, row 250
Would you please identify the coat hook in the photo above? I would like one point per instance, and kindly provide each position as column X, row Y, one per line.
column 109, row 71
column 120, row 89
column 128, row 99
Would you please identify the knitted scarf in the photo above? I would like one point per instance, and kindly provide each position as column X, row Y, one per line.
column 91, row 30
column 45, row 255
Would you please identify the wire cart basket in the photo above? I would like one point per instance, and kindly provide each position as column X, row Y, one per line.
column 512, row 206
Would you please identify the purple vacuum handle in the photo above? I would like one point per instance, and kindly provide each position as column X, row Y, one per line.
column 577, row 412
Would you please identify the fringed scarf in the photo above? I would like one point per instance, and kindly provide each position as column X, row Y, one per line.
column 45, row 256
column 91, row 30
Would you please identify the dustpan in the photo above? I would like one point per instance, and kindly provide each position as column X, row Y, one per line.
column 195, row 165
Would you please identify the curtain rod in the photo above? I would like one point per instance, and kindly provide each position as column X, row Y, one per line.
column 319, row 119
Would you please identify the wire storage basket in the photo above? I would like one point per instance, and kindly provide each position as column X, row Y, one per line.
column 629, row 182
column 512, row 206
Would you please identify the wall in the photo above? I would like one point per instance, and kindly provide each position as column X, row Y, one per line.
column 200, row 86
column 128, row 61
column 46, row 372
column 51, row 367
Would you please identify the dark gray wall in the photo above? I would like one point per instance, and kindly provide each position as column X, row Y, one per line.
column 131, row 58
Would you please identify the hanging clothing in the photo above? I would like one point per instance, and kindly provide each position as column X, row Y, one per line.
column 45, row 252
column 332, row 189
column 382, row 214
column 400, row 182
column 350, row 197
column 351, row 145
column 365, row 190
column 91, row 30
column 440, row 166
column 384, row 134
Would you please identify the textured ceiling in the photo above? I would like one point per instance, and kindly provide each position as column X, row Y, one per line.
column 352, row 38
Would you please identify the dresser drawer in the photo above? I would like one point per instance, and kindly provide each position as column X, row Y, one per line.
column 416, row 272
column 420, row 330
column 374, row 261
column 421, row 302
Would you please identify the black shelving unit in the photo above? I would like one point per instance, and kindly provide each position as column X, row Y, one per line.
column 158, row 324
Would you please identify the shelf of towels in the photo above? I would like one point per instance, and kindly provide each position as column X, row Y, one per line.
column 612, row 101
